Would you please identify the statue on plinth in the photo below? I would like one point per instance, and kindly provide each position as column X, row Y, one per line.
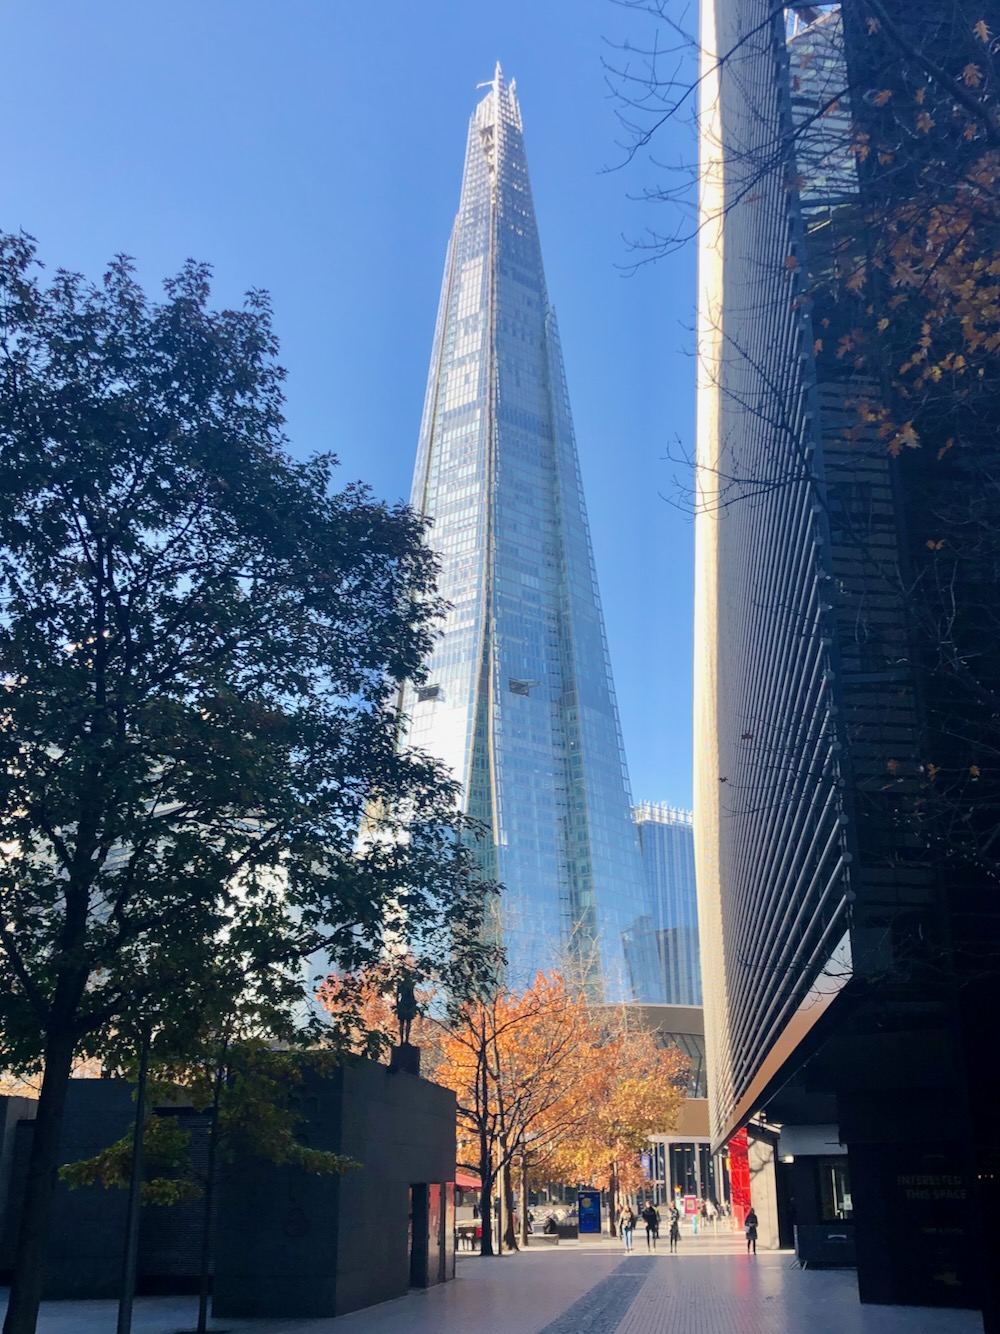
column 406, row 1009
column 405, row 1057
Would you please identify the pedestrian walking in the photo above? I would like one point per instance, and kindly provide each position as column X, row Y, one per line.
column 675, row 1227
column 652, row 1220
column 751, row 1231
column 626, row 1222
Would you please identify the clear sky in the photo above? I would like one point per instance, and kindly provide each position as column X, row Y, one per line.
column 314, row 148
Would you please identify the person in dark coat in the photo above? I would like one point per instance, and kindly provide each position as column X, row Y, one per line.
column 675, row 1227
column 751, row 1230
column 652, row 1220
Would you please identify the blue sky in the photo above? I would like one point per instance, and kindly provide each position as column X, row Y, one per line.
column 314, row 148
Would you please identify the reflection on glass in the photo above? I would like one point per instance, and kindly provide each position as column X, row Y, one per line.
column 518, row 700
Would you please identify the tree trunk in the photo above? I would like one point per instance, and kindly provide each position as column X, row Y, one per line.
column 485, row 1155
column 501, row 1208
column 126, row 1298
column 510, row 1232
column 613, row 1201
column 485, row 1189
column 486, row 1209
column 43, row 1166
column 524, row 1199
column 207, row 1228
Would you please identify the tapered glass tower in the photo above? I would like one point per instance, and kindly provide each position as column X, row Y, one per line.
column 518, row 700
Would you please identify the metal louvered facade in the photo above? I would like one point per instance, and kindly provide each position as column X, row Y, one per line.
column 847, row 898
column 771, row 829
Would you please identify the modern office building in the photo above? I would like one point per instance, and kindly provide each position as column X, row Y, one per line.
column 849, row 921
column 518, row 700
column 666, row 838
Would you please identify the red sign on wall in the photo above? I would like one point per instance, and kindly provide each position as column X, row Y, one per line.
column 739, row 1176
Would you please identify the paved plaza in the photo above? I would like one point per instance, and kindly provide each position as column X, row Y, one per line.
column 711, row 1287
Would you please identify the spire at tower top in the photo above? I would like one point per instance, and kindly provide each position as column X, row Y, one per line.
column 496, row 83
column 500, row 102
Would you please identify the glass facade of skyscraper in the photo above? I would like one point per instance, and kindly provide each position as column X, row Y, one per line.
column 666, row 838
column 518, row 700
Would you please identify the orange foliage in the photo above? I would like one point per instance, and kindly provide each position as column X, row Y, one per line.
column 541, row 1079
column 537, row 1052
column 639, row 1091
column 566, row 1092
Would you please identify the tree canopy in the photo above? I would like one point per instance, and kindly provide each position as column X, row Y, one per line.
column 201, row 649
column 550, row 1086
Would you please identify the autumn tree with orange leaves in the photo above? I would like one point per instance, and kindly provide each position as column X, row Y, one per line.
column 637, row 1088
column 550, row 1087
column 519, row 1065
column 547, row 1086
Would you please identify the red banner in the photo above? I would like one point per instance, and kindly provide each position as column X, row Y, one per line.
column 739, row 1177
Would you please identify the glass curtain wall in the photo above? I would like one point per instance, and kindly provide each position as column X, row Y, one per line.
column 666, row 838
column 519, row 700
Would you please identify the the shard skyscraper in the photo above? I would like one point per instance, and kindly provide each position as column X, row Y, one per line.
column 519, row 700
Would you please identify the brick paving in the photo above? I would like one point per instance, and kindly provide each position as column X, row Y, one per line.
column 602, row 1308
column 712, row 1287
column 767, row 1294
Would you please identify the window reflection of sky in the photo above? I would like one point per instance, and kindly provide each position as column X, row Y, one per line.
column 524, row 711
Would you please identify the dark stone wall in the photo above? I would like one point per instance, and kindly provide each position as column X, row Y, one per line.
column 12, row 1111
column 291, row 1244
column 88, row 1230
column 20, row 1147
column 16, row 1114
column 287, row 1243
column 403, row 1132
column 276, row 1241
column 88, row 1225
column 170, row 1236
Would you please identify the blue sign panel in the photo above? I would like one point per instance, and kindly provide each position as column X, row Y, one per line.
column 589, row 1204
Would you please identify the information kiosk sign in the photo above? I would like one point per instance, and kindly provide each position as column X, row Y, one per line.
column 589, row 1205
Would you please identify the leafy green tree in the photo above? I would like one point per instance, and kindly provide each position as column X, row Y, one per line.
column 201, row 647
column 248, row 1087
